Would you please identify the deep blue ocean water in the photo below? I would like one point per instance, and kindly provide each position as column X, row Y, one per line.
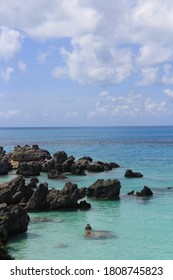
column 141, row 228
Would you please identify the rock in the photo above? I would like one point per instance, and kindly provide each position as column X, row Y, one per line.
column 130, row 174
column 145, row 192
column 2, row 152
column 60, row 157
column 4, row 166
column 38, row 202
column 13, row 220
column 131, row 193
column 29, row 169
column 66, row 199
column 114, row 165
column 67, row 165
column 83, row 205
column 105, row 189
column 28, row 154
column 34, row 180
column 84, row 162
column 16, row 191
column 33, row 197
column 95, row 167
column 47, row 165
column 56, row 175
column 77, row 170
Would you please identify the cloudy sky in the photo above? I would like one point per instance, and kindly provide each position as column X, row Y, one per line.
column 86, row 62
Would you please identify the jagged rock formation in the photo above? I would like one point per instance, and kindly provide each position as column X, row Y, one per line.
column 105, row 189
column 37, row 197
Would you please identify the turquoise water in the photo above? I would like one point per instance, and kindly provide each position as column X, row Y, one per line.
column 140, row 228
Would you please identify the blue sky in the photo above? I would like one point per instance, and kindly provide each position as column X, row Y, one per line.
column 86, row 62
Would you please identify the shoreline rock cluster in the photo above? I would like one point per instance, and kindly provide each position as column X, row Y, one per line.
column 19, row 196
column 31, row 160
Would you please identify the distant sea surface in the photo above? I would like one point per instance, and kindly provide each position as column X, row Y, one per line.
column 139, row 228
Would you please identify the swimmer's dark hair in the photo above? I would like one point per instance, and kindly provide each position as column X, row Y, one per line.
column 88, row 227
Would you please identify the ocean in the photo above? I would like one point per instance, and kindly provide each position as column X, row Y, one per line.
column 140, row 228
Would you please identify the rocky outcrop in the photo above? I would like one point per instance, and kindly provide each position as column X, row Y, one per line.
column 27, row 169
column 67, row 198
column 31, row 160
column 105, row 189
column 27, row 154
column 37, row 197
column 60, row 157
column 2, row 152
column 130, row 174
column 5, row 166
column 38, row 200
column 13, row 220
column 145, row 192
column 16, row 191
column 95, row 166
column 54, row 174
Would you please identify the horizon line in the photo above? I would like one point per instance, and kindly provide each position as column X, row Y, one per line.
column 88, row 126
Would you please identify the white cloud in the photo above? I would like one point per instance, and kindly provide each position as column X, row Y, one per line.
column 49, row 19
column 9, row 114
column 22, row 66
column 104, row 93
column 149, row 76
column 168, row 92
column 132, row 106
column 10, row 42
column 155, row 107
column 167, row 78
column 108, row 42
column 6, row 73
column 71, row 114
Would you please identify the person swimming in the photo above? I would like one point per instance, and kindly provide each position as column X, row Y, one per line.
column 88, row 229
column 97, row 234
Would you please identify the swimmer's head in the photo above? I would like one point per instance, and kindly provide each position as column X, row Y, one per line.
column 88, row 227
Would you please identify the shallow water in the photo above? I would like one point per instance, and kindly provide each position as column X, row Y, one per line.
column 142, row 226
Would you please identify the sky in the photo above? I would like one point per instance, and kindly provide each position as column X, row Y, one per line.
column 86, row 62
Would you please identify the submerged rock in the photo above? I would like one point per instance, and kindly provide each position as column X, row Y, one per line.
column 105, row 189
